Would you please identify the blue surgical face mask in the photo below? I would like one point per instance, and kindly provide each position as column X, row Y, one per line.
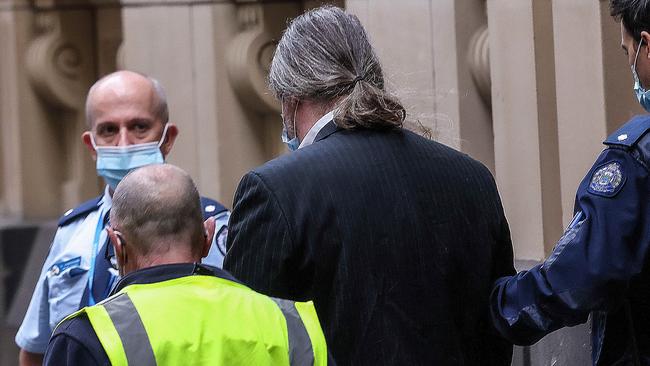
column 294, row 143
column 642, row 95
column 115, row 162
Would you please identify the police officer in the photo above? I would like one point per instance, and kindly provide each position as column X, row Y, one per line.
column 128, row 127
column 599, row 266
column 169, row 310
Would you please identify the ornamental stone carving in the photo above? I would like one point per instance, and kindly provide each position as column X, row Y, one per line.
column 55, row 65
column 249, row 59
column 479, row 63
column 60, row 66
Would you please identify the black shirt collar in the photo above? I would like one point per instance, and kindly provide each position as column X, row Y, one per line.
column 167, row 272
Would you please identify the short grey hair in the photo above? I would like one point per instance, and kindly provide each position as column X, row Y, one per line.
column 324, row 55
column 155, row 206
column 160, row 109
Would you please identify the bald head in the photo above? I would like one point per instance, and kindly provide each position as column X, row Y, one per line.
column 126, row 89
column 157, row 209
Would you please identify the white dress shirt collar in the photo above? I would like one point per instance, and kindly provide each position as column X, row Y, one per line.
column 315, row 129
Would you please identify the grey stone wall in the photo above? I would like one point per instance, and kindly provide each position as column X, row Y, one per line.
column 23, row 248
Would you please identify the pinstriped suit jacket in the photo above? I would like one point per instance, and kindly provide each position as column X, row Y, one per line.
column 396, row 238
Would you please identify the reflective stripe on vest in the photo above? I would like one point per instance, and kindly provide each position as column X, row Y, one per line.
column 129, row 327
column 300, row 351
column 123, row 332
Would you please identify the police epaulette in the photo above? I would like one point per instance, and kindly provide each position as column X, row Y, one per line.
column 79, row 211
column 630, row 133
column 210, row 207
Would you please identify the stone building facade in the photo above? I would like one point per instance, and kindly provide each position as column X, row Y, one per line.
column 528, row 87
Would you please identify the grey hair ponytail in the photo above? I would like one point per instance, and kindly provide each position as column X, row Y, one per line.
column 325, row 56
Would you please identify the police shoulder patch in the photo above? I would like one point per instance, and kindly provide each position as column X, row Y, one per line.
column 607, row 180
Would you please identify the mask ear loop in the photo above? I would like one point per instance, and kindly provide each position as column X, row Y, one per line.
column 92, row 141
column 295, row 111
column 164, row 135
column 636, row 57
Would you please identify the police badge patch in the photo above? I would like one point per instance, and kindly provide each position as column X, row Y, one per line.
column 607, row 180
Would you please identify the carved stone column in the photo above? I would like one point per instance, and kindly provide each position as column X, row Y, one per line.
column 10, row 189
column 47, row 65
column 426, row 64
column 60, row 65
column 595, row 95
column 212, row 58
column 251, row 51
column 47, row 62
column 525, row 126
column 479, row 63
column 54, row 65
column 249, row 59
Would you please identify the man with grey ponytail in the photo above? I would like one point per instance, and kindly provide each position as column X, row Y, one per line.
column 396, row 238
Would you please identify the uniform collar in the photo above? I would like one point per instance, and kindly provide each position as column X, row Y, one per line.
column 167, row 272
column 107, row 199
column 310, row 137
column 102, row 203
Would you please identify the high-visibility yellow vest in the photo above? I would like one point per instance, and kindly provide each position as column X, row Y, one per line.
column 205, row 320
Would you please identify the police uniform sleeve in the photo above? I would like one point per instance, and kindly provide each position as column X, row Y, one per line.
column 260, row 251
column 35, row 331
column 605, row 245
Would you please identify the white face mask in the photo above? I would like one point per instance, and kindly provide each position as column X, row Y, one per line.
column 115, row 162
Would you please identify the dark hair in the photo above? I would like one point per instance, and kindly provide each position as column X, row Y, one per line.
column 635, row 15
column 325, row 55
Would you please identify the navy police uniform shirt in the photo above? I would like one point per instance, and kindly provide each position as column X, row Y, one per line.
column 76, row 267
column 598, row 266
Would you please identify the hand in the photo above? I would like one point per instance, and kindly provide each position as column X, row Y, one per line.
column 29, row 359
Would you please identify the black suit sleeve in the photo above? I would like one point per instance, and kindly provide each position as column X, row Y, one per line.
column 260, row 250
column 503, row 263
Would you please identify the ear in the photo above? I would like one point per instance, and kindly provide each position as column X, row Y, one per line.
column 209, row 225
column 646, row 39
column 86, row 138
column 170, row 137
column 115, row 241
